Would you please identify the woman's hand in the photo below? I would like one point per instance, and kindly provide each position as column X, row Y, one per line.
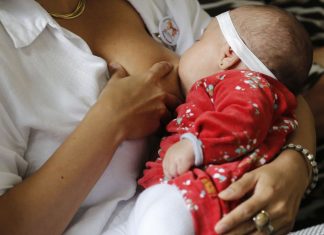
column 277, row 187
column 138, row 102
column 274, row 189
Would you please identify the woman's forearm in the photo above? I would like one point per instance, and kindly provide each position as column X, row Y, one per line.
column 305, row 136
column 45, row 202
column 285, row 180
column 129, row 107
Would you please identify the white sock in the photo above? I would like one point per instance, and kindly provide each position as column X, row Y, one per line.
column 160, row 210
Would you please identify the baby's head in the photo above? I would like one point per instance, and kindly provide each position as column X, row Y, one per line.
column 274, row 36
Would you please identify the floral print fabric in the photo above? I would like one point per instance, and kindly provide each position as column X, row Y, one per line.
column 242, row 119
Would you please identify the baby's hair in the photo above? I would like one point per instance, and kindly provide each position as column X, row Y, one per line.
column 278, row 40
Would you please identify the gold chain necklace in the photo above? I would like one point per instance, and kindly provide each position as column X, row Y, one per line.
column 77, row 12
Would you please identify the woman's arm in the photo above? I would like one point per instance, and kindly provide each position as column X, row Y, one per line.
column 315, row 96
column 277, row 187
column 45, row 202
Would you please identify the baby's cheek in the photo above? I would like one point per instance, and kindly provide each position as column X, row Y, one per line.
column 184, row 80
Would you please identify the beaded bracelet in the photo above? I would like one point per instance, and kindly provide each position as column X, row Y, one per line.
column 310, row 159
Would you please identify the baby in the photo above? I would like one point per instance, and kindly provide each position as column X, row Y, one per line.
column 240, row 81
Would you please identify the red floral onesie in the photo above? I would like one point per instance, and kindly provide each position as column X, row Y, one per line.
column 242, row 119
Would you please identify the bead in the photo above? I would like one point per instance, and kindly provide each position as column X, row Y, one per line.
column 310, row 159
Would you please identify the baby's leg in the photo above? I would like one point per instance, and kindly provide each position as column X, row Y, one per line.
column 160, row 210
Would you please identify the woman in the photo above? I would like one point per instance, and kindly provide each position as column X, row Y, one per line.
column 66, row 159
column 310, row 15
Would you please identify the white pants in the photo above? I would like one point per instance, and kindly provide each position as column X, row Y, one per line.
column 159, row 210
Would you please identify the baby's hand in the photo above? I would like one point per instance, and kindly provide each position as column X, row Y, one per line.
column 178, row 159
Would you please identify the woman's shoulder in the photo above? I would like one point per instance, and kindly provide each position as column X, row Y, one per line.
column 22, row 22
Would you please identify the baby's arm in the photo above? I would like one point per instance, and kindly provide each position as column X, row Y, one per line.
column 244, row 112
column 223, row 131
column 239, row 119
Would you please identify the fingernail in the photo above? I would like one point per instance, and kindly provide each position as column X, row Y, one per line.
column 114, row 65
column 226, row 193
column 168, row 64
column 220, row 228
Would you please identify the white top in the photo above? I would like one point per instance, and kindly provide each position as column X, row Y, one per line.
column 48, row 81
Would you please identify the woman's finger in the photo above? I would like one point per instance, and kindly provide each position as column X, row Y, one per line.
column 249, row 227
column 244, row 212
column 239, row 188
column 279, row 227
column 281, row 219
column 248, row 209
column 274, row 191
column 270, row 228
column 166, row 116
column 274, row 229
column 171, row 101
column 283, row 231
column 116, row 70
column 245, row 228
column 280, row 222
column 159, row 70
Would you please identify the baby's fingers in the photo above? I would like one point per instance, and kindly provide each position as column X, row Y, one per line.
column 169, row 169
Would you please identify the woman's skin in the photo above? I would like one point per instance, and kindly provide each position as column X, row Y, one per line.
column 115, row 32
column 275, row 189
column 32, row 207
column 315, row 96
column 117, row 38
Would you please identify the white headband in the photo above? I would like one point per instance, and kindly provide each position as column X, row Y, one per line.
column 241, row 50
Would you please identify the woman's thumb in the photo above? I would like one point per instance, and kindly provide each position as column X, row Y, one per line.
column 116, row 70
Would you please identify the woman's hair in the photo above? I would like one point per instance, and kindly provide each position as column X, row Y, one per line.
column 278, row 40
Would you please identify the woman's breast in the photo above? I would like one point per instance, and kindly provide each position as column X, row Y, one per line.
column 115, row 32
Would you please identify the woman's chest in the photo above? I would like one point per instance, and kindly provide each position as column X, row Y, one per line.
column 115, row 31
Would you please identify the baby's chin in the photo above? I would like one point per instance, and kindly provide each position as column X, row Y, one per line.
column 188, row 76
column 186, row 83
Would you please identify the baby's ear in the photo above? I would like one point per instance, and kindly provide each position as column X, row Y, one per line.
column 229, row 58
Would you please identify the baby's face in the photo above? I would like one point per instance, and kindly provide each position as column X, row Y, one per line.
column 202, row 59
